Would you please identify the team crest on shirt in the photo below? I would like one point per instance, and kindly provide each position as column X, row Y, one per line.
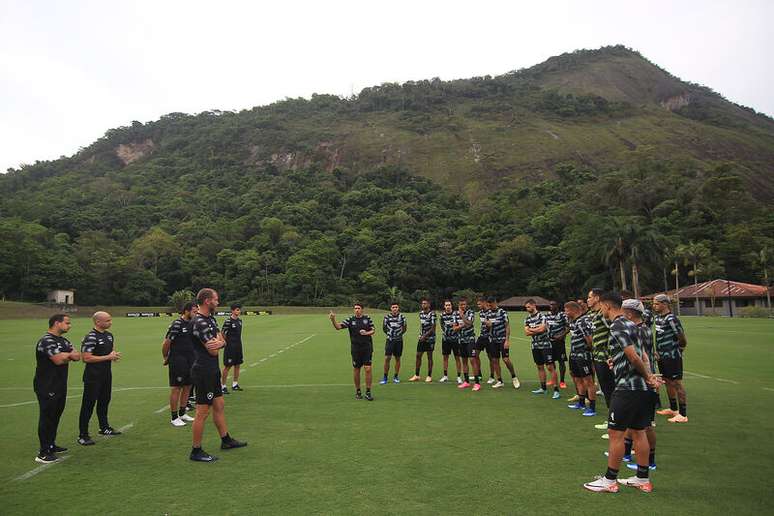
column 179, row 378
column 209, row 395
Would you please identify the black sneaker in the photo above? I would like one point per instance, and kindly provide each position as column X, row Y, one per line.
column 368, row 396
column 58, row 449
column 108, row 431
column 232, row 443
column 358, row 396
column 225, row 390
column 236, row 388
column 46, row 458
column 202, row 456
column 85, row 440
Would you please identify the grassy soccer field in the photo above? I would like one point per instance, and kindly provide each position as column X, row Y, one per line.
column 418, row 448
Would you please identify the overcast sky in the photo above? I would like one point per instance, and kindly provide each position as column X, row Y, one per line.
column 71, row 70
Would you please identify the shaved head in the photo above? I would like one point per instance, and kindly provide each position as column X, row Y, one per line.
column 102, row 320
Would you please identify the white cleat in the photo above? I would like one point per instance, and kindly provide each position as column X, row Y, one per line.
column 444, row 379
column 490, row 381
column 187, row 418
column 643, row 484
column 178, row 422
column 516, row 383
column 429, row 379
column 459, row 381
column 602, row 485
column 498, row 385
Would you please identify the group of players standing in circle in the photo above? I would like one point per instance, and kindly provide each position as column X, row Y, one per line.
column 611, row 340
column 612, row 352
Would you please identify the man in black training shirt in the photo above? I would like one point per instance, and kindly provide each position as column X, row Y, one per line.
column 97, row 353
column 205, row 373
column 450, row 342
column 360, row 327
column 232, row 355
column 631, row 406
column 394, row 325
column 426, row 342
column 178, row 353
column 53, row 354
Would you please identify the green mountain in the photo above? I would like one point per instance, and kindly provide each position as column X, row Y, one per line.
column 426, row 187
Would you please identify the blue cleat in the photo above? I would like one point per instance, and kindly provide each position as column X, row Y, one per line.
column 556, row 395
column 383, row 381
column 634, row 466
column 576, row 406
column 396, row 380
column 589, row 413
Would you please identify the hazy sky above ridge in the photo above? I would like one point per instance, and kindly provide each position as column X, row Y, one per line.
column 71, row 70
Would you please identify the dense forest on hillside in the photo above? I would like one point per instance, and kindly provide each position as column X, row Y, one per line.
column 511, row 185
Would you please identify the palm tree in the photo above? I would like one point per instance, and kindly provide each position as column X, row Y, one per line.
column 616, row 248
column 694, row 254
column 762, row 259
column 644, row 243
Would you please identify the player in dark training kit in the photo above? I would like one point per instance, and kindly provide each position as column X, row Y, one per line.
column 634, row 310
column 463, row 325
column 361, row 328
column 426, row 342
column 97, row 353
column 581, row 331
column 178, row 353
column 500, row 342
column 232, row 354
column 484, row 339
column 53, row 354
column 535, row 326
column 205, row 373
column 670, row 346
column 600, row 353
column 450, row 343
column 632, row 403
column 394, row 326
column 557, row 331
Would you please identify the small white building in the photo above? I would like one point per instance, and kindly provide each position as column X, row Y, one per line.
column 61, row 297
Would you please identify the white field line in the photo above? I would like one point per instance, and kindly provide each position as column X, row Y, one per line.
column 162, row 409
column 31, row 473
column 768, row 389
column 721, row 380
column 42, row 467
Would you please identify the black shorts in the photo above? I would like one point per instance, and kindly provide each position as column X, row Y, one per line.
column 481, row 343
column 468, row 349
column 580, row 367
column 232, row 355
column 425, row 346
column 450, row 346
column 630, row 409
column 207, row 384
column 180, row 369
column 393, row 348
column 362, row 356
column 559, row 350
column 671, row 368
column 542, row 356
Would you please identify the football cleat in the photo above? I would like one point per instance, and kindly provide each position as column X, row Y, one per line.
column 46, row 458
column 177, row 422
column 200, row 455
column 602, row 485
column 643, row 484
